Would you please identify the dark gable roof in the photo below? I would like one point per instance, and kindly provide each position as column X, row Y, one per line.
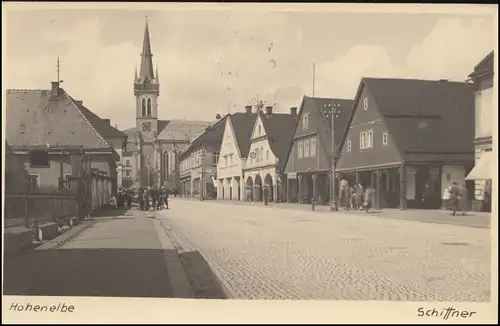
column 35, row 118
column 484, row 66
column 429, row 117
column 102, row 126
column 211, row 137
column 321, row 104
column 243, row 127
column 162, row 124
column 280, row 128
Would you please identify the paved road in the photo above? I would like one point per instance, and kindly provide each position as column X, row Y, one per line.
column 261, row 253
column 115, row 257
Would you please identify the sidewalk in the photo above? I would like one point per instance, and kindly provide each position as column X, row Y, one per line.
column 113, row 256
column 472, row 219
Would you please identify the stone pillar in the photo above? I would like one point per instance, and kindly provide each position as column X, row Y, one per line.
column 288, row 184
column 378, row 189
column 301, row 178
column 275, row 192
column 313, row 199
column 402, row 188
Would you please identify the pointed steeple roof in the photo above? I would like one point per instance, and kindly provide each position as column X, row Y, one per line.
column 146, row 70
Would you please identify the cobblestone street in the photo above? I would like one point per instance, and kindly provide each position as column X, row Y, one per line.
column 261, row 253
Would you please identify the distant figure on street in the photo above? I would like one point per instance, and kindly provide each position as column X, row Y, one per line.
column 344, row 192
column 128, row 195
column 463, row 199
column 352, row 197
column 359, row 196
column 154, row 198
column 145, row 198
column 369, row 198
column 454, row 197
column 140, row 198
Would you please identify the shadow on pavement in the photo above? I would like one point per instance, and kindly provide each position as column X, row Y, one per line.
column 111, row 212
column 88, row 272
column 204, row 282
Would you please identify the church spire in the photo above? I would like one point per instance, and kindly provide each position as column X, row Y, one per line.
column 146, row 70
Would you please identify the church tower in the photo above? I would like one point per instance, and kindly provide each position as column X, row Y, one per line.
column 147, row 91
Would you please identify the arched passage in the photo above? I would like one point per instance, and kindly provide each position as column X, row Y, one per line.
column 257, row 187
column 249, row 189
column 269, row 187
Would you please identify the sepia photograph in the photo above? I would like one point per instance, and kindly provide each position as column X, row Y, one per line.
column 232, row 152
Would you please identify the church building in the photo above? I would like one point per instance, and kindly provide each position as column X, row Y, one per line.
column 150, row 158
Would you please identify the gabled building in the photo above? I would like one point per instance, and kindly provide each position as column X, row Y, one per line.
column 50, row 132
column 269, row 146
column 482, row 173
column 309, row 160
column 233, row 154
column 198, row 163
column 116, row 138
column 409, row 139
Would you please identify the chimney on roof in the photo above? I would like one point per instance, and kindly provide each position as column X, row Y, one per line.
column 293, row 111
column 55, row 89
column 269, row 110
column 248, row 109
column 218, row 116
column 108, row 121
column 79, row 103
column 443, row 80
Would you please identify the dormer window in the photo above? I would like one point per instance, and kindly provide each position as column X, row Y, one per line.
column 365, row 104
column 305, row 121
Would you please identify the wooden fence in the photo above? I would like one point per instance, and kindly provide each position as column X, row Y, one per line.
column 35, row 207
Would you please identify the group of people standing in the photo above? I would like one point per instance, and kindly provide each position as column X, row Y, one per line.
column 124, row 198
column 152, row 198
column 356, row 197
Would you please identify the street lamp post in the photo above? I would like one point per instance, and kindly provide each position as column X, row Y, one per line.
column 202, row 185
column 333, row 111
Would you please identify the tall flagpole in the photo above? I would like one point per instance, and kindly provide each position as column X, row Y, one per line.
column 314, row 78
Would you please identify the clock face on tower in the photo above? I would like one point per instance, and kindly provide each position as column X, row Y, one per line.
column 146, row 126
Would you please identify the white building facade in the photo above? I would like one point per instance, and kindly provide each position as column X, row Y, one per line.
column 260, row 168
column 230, row 166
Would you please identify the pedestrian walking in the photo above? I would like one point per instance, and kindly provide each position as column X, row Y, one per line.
column 368, row 198
column 165, row 199
column 463, row 200
column 454, row 197
column 129, row 199
column 154, row 198
column 359, row 196
column 352, row 197
column 140, row 198
column 146, row 198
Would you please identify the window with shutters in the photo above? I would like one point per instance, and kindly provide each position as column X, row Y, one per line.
column 312, row 149
column 300, row 149
column 306, row 148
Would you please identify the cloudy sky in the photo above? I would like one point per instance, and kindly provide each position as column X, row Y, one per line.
column 209, row 60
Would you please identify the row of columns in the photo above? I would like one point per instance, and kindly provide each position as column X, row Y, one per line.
column 229, row 188
column 375, row 180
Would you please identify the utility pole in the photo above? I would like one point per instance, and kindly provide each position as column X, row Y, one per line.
column 61, row 173
column 202, row 185
column 333, row 110
column 314, row 78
